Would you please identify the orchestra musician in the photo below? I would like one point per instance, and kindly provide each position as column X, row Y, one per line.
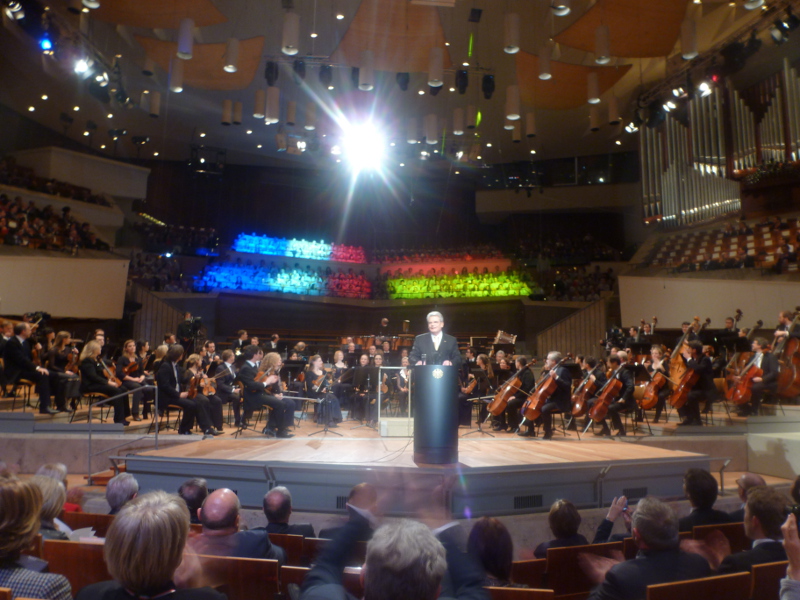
column 352, row 357
column 131, row 374
column 18, row 363
column 625, row 401
column 341, row 389
column 67, row 383
column 7, row 334
column 209, row 406
column 168, row 378
column 227, row 390
column 274, row 343
column 211, row 360
column 318, row 387
column 143, row 354
column 558, row 400
column 240, row 342
column 388, row 355
column 438, row 347
column 511, row 418
column 258, row 393
column 704, row 389
column 401, row 383
column 365, row 383
column 657, row 364
column 94, row 378
column 785, row 318
column 685, row 326
column 766, row 382
column 485, row 384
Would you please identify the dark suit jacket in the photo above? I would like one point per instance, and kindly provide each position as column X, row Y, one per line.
column 304, row 529
column 737, row 516
column 17, row 358
column 254, row 391
column 166, row 382
column 765, row 552
column 111, row 590
column 629, row 580
column 573, row 540
column 225, row 383
column 769, row 365
column 703, row 516
column 448, row 350
column 242, row 544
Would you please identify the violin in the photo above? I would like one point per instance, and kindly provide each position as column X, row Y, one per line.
column 72, row 363
column 130, row 367
column 584, row 392
column 109, row 373
column 536, row 400
column 607, row 395
column 193, row 382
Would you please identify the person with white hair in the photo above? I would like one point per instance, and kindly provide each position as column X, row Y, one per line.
column 435, row 347
column 119, row 490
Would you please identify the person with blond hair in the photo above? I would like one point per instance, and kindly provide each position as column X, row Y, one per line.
column 144, row 547
column 95, row 379
column 20, row 506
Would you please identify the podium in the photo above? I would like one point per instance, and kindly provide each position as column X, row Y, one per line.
column 434, row 396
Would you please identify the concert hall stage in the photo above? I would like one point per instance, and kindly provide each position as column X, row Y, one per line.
column 494, row 476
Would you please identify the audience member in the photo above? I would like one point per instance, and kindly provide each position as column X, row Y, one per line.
column 194, row 492
column 11, row 174
column 491, row 545
column 53, row 497
column 660, row 560
column 564, row 521
column 278, row 509
column 764, row 513
column 619, row 507
column 143, row 549
column 701, row 488
column 743, row 484
column 20, row 506
column 221, row 536
column 362, row 503
column 790, row 586
column 119, row 490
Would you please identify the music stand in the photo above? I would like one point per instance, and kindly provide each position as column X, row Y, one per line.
column 324, row 408
column 640, row 348
column 481, row 376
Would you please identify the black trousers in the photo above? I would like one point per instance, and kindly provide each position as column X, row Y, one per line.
column 137, row 395
column 121, row 408
column 757, row 393
column 282, row 415
column 189, row 408
column 235, row 401
column 691, row 409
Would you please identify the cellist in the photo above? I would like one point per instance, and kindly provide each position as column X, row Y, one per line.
column 704, row 389
column 558, row 400
column 511, row 418
column 624, row 401
column 767, row 382
column 654, row 364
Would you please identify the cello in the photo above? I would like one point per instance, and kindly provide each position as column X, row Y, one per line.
column 736, row 364
column 609, row 391
column 657, row 382
column 532, row 409
column 743, row 390
column 498, row 405
column 584, row 392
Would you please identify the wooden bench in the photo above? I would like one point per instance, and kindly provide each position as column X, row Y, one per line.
column 240, row 578
column 564, row 576
column 100, row 523
column 733, row 531
column 81, row 563
column 510, row 593
column 766, row 584
column 735, row 586
column 292, row 545
column 529, row 572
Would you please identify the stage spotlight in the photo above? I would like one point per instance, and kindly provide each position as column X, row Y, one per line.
column 271, row 72
column 402, row 81
column 83, row 67
column 669, row 105
column 299, row 67
column 46, row 44
column 354, row 76
column 657, row 115
column 462, row 81
column 487, row 85
column 326, row 75
column 363, row 146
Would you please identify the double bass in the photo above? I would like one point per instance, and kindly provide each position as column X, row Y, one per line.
column 498, row 404
column 786, row 352
column 676, row 365
column 584, row 392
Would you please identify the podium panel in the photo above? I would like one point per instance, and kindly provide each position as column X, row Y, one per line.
column 434, row 396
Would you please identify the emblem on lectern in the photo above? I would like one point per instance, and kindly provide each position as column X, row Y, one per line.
column 438, row 373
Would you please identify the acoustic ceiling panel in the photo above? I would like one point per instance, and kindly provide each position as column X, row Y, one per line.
column 157, row 14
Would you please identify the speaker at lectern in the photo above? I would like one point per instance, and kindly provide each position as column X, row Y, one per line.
column 434, row 396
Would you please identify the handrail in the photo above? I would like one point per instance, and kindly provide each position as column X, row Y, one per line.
column 90, row 455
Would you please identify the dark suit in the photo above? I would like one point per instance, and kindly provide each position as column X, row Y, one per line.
column 255, row 396
column 737, row 516
column 448, row 350
column 573, row 540
column 559, row 400
column 628, row 580
column 226, row 390
column 19, row 364
column 242, row 544
column 703, row 516
column 769, row 383
column 704, row 389
column 169, row 394
column 304, row 529
column 512, row 416
column 765, row 552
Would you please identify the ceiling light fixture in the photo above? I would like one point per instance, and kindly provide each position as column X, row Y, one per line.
column 185, row 39
column 436, row 67
column 231, row 56
column 291, row 33
column 176, row 76
column 366, row 72
column 593, row 88
column 602, row 45
column 511, row 45
column 561, row 8
column 544, row 62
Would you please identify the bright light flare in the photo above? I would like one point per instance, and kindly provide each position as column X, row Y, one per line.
column 363, row 146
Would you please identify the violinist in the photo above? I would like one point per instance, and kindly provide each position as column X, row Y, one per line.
column 511, row 418
column 625, row 401
column 318, row 384
column 240, row 343
column 266, row 392
column 168, row 379
column 159, row 356
column 766, row 382
column 143, row 355
column 657, row 364
column 94, row 378
column 59, row 357
column 130, row 373
column 704, row 389
column 211, row 360
column 208, row 407
column 227, row 390
column 558, row 400
column 341, row 389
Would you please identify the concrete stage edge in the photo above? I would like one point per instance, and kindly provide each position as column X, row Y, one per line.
column 493, row 477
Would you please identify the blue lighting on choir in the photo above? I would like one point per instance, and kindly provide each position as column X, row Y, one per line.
column 262, row 244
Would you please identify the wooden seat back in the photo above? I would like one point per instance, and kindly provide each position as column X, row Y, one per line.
column 240, row 578
column 735, row 586
column 5, row 593
column 733, row 531
column 629, row 548
column 351, row 579
column 510, row 593
column 766, row 584
column 529, row 572
column 563, row 575
column 311, row 549
column 81, row 563
column 292, row 545
column 79, row 520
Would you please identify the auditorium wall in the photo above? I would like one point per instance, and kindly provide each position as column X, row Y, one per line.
column 81, row 288
column 674, row 300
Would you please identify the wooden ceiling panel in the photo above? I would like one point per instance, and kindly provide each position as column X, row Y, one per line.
column 204, row 70
column 157, row 14
column 399, row 34
column 567, row 89
column 638, row 28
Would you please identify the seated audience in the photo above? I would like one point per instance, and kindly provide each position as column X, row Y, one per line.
column 790, row 586
column 143, row 549
column 743, row 485
column 278, row 509
column 194, row 492
column 701, row 488
column 221, row 536
column 619, row 507
column 660, row 559
column 53, row 497
column 74, row 502
column 491, row 545
column 564, row 520
column 20, row 506
column 121, row 489
column 362, row 502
